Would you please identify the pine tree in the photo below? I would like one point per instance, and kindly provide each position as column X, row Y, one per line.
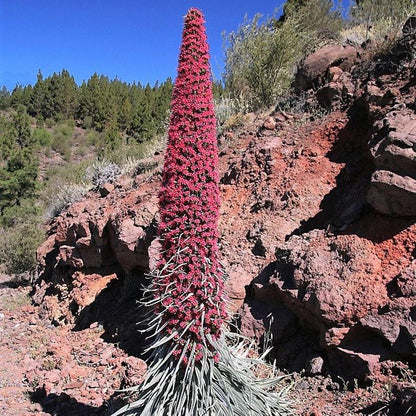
column 67, row 95
column 192, row 370
column 5, row 99
column 124, row 114
column 18, row 178
column 21, row 126
column 38, row 97
column 21, row 96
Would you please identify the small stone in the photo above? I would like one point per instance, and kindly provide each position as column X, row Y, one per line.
column 335, row 335
column 280, row 117
column 269, row 123
column 106, row 189
column 93, row 384
column 74, row 385
column 334, row 73
column 53, row 376
column 315, row 365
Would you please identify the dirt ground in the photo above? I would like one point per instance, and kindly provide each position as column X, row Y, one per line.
column 48, row 370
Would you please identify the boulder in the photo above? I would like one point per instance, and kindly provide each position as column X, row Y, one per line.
column 95, row 242
column 337, row 93
column 329, row 287
column 313, row 71
column 392, row 194
column 393, row 149
column 393, row 146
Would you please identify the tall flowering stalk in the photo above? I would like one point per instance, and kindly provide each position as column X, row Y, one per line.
column 191, row 282
column 193, row 370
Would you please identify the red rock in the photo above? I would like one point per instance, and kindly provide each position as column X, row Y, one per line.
column 392, row 194
column 374, row 94
column 334, row 336
column 107, row 353
column 32, row 320
column 53, row 376
column 154, row 253
column 46, row 247
column 106, row 189
column 70, row 256
column 280, row 117
column 269, row 123
column 93, row 384
column 235, row 286
column 135, row 371
column 334, row 73
column 87, row 287
column 48, row 387
column 74, row 385
column 341, row 285
column 314, row 68
column 78, row 373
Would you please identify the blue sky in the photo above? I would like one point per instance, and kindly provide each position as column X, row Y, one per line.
column 134, row 40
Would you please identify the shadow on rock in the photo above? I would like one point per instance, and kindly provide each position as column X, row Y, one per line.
column 346, row 202
column 345, row 208
column 116, row 309
column 265, row 317
column 65, row 405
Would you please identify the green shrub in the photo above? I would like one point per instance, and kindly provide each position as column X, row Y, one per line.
column 102, row 172
column 27, row 211
column 63, row 185
column 49, row 123
column 18, row 248
column 20, row 236
column 67, row 174
column 257, row 61
column 228, row 109
column 88, row 122
column 64, row 131
column 62, row 141
column 81, row 150
column 42, row 136
column 381, row 17
column 93, row 138
column 133, row 150
column 260, row 56
column 66, row 196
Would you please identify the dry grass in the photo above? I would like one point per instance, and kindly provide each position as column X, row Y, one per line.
column 11, row 302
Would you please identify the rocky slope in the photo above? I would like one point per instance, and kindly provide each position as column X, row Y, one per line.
column 318, row 231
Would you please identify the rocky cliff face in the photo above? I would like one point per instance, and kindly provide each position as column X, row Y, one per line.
column 318, row 228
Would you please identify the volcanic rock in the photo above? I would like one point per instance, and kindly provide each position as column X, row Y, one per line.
column 96, row 243
column 392, row 194
column 331, row 285
column 393, row 148
column 314, row 69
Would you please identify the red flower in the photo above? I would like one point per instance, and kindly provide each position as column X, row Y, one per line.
column 189, row 197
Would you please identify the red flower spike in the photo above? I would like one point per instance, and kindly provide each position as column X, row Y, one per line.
column 189, row 197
